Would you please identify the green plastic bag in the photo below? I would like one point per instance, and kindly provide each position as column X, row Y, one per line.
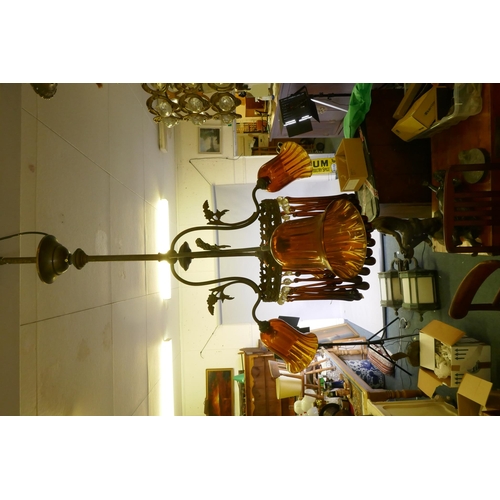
column 359, row 105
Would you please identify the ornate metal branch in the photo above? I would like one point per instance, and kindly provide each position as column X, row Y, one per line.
column 214, row 218
column 206, row 246
column 219, row 225
column 217, row 295
column 218, row 292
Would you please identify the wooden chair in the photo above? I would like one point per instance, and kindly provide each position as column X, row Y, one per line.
column 472, row 208
column 280, row 374
column 461, row 303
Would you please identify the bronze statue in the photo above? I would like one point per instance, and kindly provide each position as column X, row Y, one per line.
column 409, row 232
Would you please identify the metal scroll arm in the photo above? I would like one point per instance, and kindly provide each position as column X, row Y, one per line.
column 215, row 218
column 214, row 222
column 218, row 292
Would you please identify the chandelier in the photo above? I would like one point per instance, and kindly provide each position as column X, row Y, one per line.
column 194, row 102
column 311, row 248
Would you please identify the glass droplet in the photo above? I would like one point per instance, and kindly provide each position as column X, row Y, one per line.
column 226, row 103
column 163, row 108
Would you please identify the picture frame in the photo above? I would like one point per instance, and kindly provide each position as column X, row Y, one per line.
column 219, row 399
column 209, row 140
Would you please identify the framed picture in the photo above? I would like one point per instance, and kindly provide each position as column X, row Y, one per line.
column 209, row 140
column 220, row 396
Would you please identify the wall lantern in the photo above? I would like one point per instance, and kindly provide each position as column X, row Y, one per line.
column 412, row 289
column 419, row 288
column 390, row 286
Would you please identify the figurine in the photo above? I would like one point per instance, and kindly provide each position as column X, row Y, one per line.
column 408, row 232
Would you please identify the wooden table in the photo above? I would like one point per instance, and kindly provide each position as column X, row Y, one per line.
column 360, row 392
column 479, row 131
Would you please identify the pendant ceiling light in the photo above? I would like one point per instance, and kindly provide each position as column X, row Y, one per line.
column 311, row 248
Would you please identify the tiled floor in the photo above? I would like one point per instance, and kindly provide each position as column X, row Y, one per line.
column 92, row 175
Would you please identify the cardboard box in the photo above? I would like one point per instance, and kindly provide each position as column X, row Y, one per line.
column 473, row 395
column 419, row 118
column 351, row 164
column 407, row 101
column 468, row 355
column 428, row 381
column 426, row 110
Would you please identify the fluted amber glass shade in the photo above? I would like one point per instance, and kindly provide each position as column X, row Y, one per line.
column 335, row 240
column 290, row 164
column 295, row 348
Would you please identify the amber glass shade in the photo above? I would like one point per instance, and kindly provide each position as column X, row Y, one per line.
column 295, row 348
column 335, row 240
column 290, row 164
column 345, row 239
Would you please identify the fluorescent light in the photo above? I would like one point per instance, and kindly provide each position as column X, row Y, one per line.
column 162, row 226
column 165, row 281
column 162, row 242
column 330, row 105
column 167, row 380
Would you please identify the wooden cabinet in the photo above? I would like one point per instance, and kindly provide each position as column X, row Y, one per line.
column 399, row 168
column 260, row 387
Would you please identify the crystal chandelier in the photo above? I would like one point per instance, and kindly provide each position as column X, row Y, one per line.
column 171, row 103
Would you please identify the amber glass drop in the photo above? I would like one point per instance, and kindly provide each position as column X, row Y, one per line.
column 296, row 349
column 290, row 164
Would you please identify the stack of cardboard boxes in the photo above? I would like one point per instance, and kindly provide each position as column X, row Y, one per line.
column 469, row 372
column 470, row 368
column 427, row 109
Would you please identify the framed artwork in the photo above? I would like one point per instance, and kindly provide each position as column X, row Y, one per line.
column 220, row 395
column 209, row 140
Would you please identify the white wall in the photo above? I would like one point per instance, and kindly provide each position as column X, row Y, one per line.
column 205, row 342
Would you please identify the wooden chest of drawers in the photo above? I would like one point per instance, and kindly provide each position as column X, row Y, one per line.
column 260, row 387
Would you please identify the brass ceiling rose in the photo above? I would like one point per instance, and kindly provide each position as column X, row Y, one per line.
column 45, row 90
column 52, row 259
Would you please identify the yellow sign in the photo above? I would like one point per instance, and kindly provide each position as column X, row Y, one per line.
column 323, row 165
